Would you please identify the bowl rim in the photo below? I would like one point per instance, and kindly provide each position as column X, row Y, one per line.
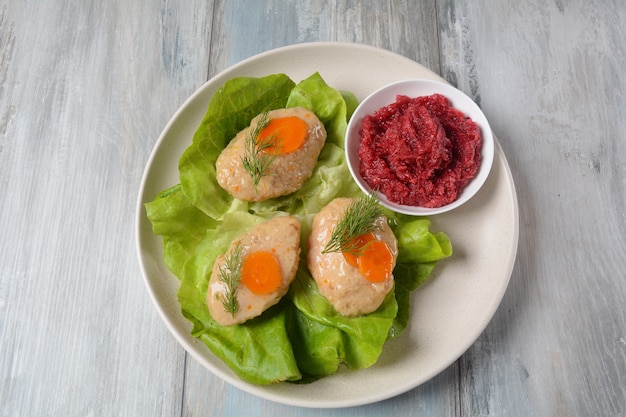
column 386, row 95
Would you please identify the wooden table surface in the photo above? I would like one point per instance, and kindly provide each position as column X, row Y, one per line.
column 86, row 88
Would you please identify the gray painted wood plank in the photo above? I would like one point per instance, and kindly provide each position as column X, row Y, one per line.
column 405, row 27
column 550, row 78
column 85, row 90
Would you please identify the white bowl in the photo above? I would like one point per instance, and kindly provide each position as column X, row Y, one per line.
column 416, row 88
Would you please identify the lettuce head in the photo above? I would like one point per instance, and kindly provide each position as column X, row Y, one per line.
column 301, row 338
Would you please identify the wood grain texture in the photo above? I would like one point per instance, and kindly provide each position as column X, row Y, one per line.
column 405, row 27
column 550, row 78
column 86, row 88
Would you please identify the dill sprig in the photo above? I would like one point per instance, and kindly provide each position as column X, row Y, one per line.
column 255, row 160
column 230, row 275
column 359, row 218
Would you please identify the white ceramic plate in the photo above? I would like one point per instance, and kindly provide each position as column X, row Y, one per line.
column 449, row 312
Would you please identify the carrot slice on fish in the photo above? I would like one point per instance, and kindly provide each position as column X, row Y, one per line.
column 286, row 135
column 260, row 272
column 375, row 261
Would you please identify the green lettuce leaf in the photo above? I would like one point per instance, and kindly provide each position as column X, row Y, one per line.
column 259, row 351
column 324, row 340
column 351, row 103
column 230, row 111
column 419, row 245
column 180, row 224
column 419, row 249
column 302, row 338
column 327, row 103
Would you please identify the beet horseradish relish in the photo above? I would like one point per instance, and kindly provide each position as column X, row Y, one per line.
column 419, row 151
